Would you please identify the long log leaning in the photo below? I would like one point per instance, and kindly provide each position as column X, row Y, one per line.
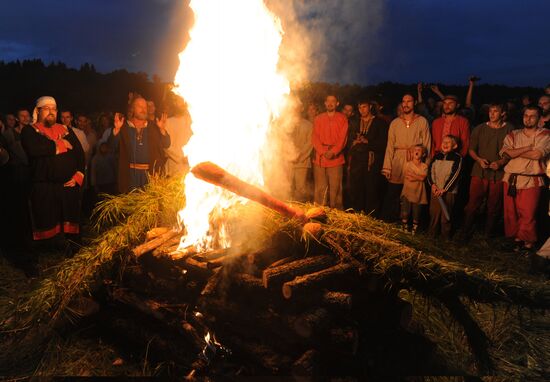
column 277, row 276
column 340, row 274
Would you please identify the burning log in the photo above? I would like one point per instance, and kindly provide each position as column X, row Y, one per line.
column 213, row 254
column 342, row 274
column 211, row 173
column 154, row 243
column 277, row 276
column 169, row 246
column 231, row 259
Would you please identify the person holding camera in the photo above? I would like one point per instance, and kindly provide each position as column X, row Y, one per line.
column 367, row 138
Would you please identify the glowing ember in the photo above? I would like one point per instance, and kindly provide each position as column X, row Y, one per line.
column 228, row 76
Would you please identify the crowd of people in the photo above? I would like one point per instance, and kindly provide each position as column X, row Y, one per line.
column 435, row 164
column 55, row 167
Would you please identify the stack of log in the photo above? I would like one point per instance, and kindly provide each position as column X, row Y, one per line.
column 277, row 311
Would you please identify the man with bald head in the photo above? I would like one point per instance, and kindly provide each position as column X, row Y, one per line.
column 140, row 144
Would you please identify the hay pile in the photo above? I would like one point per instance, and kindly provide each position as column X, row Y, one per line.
column 475, row 302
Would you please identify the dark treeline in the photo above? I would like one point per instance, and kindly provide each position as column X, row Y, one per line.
column 79, row 90
column 86, row 90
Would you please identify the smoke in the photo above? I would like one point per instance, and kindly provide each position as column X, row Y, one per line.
column 333, row 40
column 330, row 39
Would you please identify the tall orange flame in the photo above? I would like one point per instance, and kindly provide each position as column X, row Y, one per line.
column 228, row 76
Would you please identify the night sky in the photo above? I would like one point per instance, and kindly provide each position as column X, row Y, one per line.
column 355, row 41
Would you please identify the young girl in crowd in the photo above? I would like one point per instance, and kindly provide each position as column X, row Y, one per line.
column 414, row 195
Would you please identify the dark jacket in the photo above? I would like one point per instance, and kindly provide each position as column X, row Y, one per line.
column 46, row 165
column 121, row 145
column 446, row 166
column 377, row 137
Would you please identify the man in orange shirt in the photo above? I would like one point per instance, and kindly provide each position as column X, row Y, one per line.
column 330, row 131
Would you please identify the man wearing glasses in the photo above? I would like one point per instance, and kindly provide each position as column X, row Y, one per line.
column 57, row 165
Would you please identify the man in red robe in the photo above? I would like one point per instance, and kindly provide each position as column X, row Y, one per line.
column 57, row 167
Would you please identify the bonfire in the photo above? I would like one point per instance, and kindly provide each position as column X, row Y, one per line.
column 210, row 275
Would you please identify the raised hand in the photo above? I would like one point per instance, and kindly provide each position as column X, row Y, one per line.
column 161, row 123
column 118, row 122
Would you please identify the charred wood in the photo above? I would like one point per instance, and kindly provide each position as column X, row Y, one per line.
column 275, row 277
column 341, row 275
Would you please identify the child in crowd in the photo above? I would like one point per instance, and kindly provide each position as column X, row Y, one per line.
column 414, row 191
column 443, row 176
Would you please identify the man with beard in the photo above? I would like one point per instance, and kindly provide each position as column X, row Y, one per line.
column 405, row 132
column 544, row 104
column 57, row 167
column 140, row 145
column 527, row 150
column 330, row 131
column 367, row 140
column 451, row 124
column 487, row 172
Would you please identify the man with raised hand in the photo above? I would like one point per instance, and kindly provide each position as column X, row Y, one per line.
column 140, row 144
